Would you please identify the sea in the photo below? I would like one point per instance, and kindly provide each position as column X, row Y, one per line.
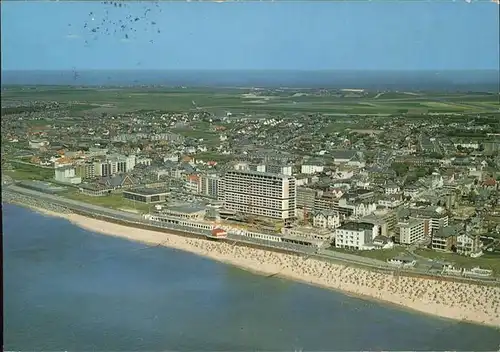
column 68, row 289
column 450, row 80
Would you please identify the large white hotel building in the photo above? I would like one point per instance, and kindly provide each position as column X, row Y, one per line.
column 261, row 194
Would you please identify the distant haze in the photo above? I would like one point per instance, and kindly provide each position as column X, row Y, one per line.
column 476, row 80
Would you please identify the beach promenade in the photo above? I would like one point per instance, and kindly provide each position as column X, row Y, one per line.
column 454, row 300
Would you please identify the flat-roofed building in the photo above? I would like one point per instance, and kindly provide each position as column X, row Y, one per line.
column 66, row 174
column 435, row 218
column 411, row 231
column 315, row 236
column 85, row 170
column 185, row 212
column 261, row 194
column 210, row 185
column 355, row 235
column 305, row 198
column 146, row 195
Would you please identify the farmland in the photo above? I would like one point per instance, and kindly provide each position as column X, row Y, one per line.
column 116, row 100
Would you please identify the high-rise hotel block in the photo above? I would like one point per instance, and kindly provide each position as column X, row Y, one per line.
column 261, row 194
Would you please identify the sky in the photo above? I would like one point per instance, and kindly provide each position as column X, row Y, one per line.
column 300, row 35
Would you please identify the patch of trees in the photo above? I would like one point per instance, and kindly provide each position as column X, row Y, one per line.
column 400, row 168
column 435, row 155
column 423, row 171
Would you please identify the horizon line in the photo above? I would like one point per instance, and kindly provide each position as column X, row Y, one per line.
column 255, row 70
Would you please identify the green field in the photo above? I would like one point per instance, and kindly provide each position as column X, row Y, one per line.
column 114, row 100
column 379, row 254
column 114, row 200
column 23, row 172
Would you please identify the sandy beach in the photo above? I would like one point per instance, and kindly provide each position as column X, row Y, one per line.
column 452, row 300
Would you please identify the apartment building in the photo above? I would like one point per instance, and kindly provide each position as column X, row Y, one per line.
column 385, row 219
column 435, row 218
column 260, row 193
column 85, row 170
column 114, row 164
column 411, row 231
column 193, row 184
column 305, row 198
column 210, row 185
column 325, row 201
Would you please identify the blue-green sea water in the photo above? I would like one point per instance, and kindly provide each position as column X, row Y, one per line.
column 69, row 289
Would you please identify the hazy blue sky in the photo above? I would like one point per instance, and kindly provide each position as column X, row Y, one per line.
column 252, row 35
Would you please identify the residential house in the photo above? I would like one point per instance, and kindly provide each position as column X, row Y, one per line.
column 411, row 191
column 143, row 161
column 327, row 219
column 356, row 161
column 337, row 192
column 357, row 208
column 391, row 188
column 468, row 244
column 445, row 239
column 118, row 181
column 391, row 200
column 490, row 183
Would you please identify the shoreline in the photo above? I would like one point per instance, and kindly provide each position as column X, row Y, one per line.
column 463, row 302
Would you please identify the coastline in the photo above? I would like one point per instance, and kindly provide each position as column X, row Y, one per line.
column 449, row 300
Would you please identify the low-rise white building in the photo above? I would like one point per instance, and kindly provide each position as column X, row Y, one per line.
column 143, row 161
column 355, row 235
column 317, row 236
column 38, row 143
column 392, row 188
column 310, row 169
column 67, row 174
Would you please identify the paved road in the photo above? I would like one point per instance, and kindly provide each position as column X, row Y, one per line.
column 70, row 203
